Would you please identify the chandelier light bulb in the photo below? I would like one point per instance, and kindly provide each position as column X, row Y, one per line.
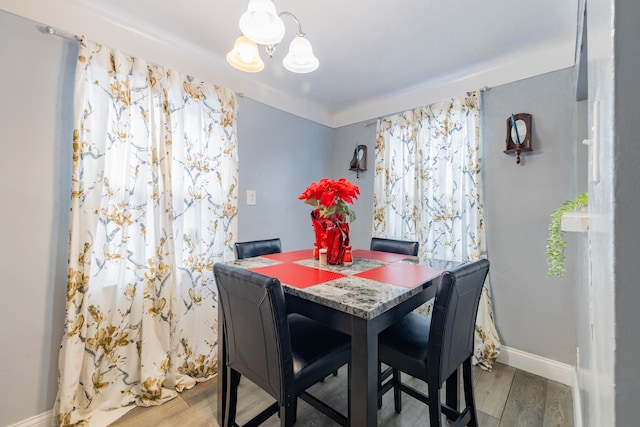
column 246, row 52
column 245, row 56
column 300, row 58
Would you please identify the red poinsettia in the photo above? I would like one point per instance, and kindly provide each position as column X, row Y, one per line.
column 331, row 197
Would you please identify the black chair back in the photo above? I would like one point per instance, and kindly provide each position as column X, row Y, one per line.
column 257, row 248
column 403, row 247
column 453, row 319
column 282, row 354
column 255, row 322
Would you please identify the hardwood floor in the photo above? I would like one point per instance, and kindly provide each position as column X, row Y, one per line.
column 506, row 397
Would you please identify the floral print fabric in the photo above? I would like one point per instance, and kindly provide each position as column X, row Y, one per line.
column 427, row 188
column 154, row 201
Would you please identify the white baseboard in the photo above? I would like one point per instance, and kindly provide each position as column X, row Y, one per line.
column 538, row 365
column 41, row 420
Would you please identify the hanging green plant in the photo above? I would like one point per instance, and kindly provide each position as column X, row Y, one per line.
column 556, row 242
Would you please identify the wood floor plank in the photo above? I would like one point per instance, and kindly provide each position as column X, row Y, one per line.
column 251, row 401
column 526, row 403
column 530, row 401
column 172, row 413
column 414, row 413
column 476, row 373
column 492, row 389
column 559, row 406
column 485, row 420
column 201, row 391
column 203, row 398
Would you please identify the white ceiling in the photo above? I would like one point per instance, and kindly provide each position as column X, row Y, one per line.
column 376, row 57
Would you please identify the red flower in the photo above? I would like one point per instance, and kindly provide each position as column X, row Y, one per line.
column 331, row 196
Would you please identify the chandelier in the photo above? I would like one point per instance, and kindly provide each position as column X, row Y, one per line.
column 261, row 24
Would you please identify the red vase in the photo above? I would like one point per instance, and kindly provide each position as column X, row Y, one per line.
column 332, row 233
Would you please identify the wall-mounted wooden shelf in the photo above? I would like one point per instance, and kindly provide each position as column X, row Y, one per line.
column 578, row 222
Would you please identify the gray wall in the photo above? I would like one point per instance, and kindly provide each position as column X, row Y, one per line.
column 597, row 335
column 627, row 232
column 279, row 156
column 610, row 378
column 608, row 332
column 35, row 169
column 345, row 140
column 534, row 313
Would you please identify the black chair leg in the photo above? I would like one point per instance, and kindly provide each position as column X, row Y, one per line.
column 468, row 392
column 435, row 418
column 397, row 393
column 294, row 409
column 287, row 416
column 232, row 397
column 451, row 391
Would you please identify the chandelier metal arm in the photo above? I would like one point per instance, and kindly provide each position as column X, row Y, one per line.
column 295, row 19
column 270, row 49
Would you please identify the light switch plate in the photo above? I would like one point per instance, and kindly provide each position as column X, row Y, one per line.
column 251, row 197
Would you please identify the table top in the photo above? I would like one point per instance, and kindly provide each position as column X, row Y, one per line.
column 374, row 283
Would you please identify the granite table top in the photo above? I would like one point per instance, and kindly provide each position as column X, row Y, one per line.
column 374, row 283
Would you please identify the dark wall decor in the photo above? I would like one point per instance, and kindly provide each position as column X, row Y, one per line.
column 359, row 161
column 518, row 136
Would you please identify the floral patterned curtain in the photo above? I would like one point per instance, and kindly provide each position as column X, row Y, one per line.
column 154, row 204
column 427, row 188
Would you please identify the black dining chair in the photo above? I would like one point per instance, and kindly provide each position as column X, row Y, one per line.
column 282, row 354
column 432, row 349
column 404, row 247
column 258, row 247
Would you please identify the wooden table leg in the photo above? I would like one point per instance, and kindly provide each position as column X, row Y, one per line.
column 364, row 374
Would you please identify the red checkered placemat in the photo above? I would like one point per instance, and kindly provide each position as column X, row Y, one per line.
column 378, row 256
column 298, row 275
column 292, row 256
column 402, row 274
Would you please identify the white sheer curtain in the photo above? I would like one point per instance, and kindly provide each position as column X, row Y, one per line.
column 154, row 204
column 427, row 188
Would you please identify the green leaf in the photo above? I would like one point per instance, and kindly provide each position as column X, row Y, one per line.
column 555, row 242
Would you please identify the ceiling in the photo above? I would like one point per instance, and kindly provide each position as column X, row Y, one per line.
column 376, row 57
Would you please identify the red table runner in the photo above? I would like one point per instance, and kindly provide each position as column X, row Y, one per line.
column 401, row 274
column 292, row 256
column 298, row 275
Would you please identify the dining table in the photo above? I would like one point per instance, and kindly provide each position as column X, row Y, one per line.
column 361, row 300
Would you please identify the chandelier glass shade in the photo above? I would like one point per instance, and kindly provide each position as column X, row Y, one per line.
column 261, row 23
column 300, row 58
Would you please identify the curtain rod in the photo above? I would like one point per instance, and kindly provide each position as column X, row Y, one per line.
column 55, row 32
column 373, row 122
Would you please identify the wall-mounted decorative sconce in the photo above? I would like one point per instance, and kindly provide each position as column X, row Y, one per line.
column 359, row 161
column 518, row 134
